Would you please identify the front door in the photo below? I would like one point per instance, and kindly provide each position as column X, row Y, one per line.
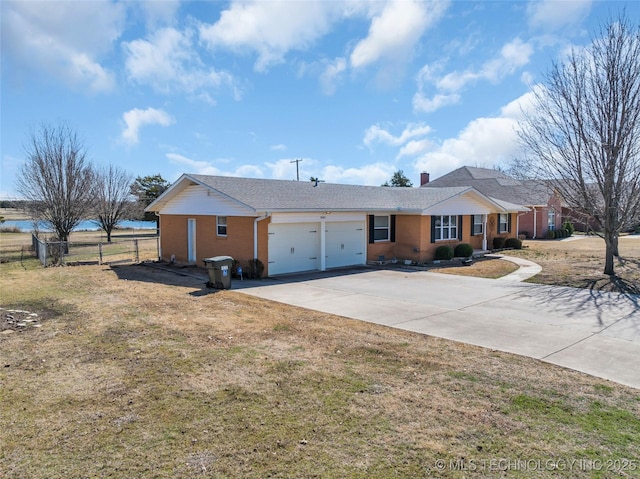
column 191, row 240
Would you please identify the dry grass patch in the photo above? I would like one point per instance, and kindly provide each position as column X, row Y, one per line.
column 139, row 372
column 579, row 263
column 482, row 268
column 13, row 214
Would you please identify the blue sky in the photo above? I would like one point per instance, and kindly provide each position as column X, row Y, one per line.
column 356, row 90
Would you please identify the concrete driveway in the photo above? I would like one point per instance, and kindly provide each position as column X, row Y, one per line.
column 593, row 332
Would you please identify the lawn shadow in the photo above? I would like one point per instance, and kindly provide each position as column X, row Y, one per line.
column 158, row 273
column 606, row 308
column 613, row 283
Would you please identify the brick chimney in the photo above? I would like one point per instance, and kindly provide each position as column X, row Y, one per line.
column 424, row 178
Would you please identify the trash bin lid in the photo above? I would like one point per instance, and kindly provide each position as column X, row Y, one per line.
column 218, row 258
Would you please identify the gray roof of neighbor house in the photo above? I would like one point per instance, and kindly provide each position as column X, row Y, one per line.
column 284, row 195
column 496, row 184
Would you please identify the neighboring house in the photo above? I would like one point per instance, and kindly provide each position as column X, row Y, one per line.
column 545, row 211
column 293, row 226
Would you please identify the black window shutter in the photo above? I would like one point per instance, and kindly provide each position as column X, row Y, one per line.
column 392, row 233
column 472, row 232
column 498, row 223
column 460, row 228
column 433, row 229
column 509, row 223
column 371, row 229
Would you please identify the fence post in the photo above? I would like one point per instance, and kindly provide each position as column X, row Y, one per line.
column 135, row 245
column 100, row 252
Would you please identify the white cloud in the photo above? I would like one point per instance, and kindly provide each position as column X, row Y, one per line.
column 552, row 15
column 332, row 75
column 257, row 27
column 308, row 167
column 439, row 100
column 512, row 56
column 484, row 141
column 285, row 169
column 270, row 29
column 168, row 62
column 195, row 167
column 136, row 118
column 63, row 39
column 279, row 147
column 516, row 109
column 374, row 174
column 371, row 175
column 394, row 33
column 208, row 167
column 159, row 12
column 527, row 78
column 377, row 134
column 414, row 148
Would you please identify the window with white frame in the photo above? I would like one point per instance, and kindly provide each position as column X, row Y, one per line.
column 478, row 225
column 381, row 228
column 446, row 227
column 503, row 225
column 551, row 220
column 221, row 225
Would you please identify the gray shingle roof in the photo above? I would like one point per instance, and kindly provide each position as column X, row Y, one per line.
column 284, row 195
column 496, row 184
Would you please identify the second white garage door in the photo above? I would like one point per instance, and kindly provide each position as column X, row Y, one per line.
column 345, row 244
column 293, row 247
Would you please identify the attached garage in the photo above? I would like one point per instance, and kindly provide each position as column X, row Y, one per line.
column 298, row 244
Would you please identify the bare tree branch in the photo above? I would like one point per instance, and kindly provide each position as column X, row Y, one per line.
column 56, row 178
column 583, row 132
column 112, row 197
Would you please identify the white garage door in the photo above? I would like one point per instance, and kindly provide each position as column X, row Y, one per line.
column 345, row 244
column 294, row 247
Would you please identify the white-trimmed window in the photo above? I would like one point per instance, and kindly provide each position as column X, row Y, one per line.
column 381, row 228
column 446, row 227
column 221, row 225
column 478, row 225
column 551, row 219
column 503, row 225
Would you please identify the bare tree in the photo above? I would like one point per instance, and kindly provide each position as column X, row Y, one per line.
column 56, row 178
column 583, row 132
column 112, row 197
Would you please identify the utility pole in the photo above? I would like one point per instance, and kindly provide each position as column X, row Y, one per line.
column 297, row 161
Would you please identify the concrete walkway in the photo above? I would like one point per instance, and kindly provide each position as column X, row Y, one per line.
column 594, row 332
column 527, row 269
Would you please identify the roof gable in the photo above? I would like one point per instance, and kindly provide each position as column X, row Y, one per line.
column 496, row 184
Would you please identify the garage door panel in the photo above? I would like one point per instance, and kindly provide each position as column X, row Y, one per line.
column 293, row 247
column 344, row 244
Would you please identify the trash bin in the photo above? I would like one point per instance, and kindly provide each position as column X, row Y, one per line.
column 219, row 269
